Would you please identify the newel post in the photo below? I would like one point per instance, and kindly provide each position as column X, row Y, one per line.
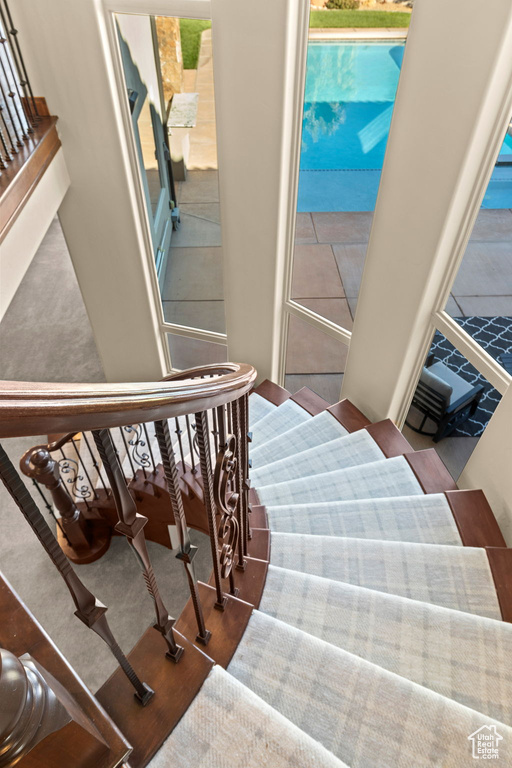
column 39, row 464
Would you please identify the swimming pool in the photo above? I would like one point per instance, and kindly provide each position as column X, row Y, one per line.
column 350, row 93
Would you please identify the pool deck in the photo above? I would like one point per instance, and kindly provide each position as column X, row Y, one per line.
column 353, row 33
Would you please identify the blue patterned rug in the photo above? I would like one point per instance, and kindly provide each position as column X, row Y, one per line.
column 494, row 334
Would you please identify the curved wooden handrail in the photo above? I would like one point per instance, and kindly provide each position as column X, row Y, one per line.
column 29, row 408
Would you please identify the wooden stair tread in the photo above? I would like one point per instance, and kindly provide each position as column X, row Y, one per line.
column 310, row 401
column 250, row 582
column 227, row 626
column 475, row 519
column 430, row 471
column 259, row 544
column 348, row 416
column 272, row 392
column 175, row 686
column 500, row 561
column 389, row 438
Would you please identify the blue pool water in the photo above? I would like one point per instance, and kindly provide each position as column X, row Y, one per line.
column 350, row 93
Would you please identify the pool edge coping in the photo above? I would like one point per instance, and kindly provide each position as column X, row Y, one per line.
column 361, row 33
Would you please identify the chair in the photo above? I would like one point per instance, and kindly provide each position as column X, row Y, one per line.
column 445, row 398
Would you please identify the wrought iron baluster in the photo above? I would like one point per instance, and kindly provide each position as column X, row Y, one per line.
column 25, row 126
column 6, row 153
column 18, row 57
column 88, row 608
column 95, row 463
column 127, row 452
column 71, row 467
column 187, row 550
column 227, row 502
column 131, row 525
column 141, row 459
column 149, row 447
column 82, row 464
column 221, row 421
column 215, row 431
column 49, row 508
column 237, row 484
column 180, row 442
column 246, row 439
column 209, row 502
column 8, row 125
column 191, row 445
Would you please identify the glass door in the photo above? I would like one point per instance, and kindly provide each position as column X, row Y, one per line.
column 153, row 157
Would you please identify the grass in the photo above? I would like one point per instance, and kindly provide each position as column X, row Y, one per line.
column 365, row 19
column 191, row 28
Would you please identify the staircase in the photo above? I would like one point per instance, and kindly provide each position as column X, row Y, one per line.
column 362, row 618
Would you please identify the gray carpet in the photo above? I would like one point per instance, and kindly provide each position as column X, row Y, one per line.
column 45, row 335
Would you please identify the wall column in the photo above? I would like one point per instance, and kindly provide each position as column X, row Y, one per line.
column 102, row 215
column 452, row 108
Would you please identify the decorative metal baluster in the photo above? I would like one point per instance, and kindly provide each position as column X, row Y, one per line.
column 82, row 464
column 187, row 550
column 221, row 421
column 246, row 486
column 25, row 126
column 131, row 525
column 215, row 431
column 209, row 502
column 180, row 442
column 71, row 467
column 88, row 609
column 8, row 126
column 237, row 482
column 18, row 58
column 191, row 445
column 6, row 155
column 95, row 464
column 149, row 448
column 227, row 502
column 128, row 452
column 49, row 508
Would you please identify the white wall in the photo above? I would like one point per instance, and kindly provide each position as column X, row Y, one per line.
column 490, row 465
column 19, row 246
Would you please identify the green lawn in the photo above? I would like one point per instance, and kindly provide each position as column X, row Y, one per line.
column 191, row 28
column 358, row 19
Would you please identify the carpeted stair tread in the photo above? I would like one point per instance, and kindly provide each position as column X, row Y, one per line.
column 426, row 519
column 284, row 417
column 259, row 407
column 229, row 726
column 317, row 431
column 459, row 655
column 454, row 577
column 388, row 477
column 348, row 451
column 367, row 716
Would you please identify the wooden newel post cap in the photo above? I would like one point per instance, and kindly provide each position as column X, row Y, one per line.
column 13, row 693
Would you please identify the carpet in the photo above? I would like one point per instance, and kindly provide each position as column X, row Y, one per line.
column 494, row 334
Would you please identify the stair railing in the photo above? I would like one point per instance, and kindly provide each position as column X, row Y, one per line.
column 18, row 109
column 208, row 407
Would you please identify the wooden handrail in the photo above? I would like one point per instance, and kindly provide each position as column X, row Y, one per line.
column 29, row 408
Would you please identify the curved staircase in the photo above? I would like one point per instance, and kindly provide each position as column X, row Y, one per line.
column 368, row 624
column 382, row 637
